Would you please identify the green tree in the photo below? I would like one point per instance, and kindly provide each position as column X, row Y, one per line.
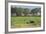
column 35, row 11
column 19, row 11
column 26, row 11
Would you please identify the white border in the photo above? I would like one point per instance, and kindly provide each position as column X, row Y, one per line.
column 23, row 29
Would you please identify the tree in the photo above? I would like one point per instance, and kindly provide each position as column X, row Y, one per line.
column 19, row 11
column 26, row 11
column 12, row 11
column 35, row 11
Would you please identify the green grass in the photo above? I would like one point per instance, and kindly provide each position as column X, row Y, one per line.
column 20, row 22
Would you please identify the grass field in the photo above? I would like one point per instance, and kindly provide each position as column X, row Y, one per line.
column 24, row 22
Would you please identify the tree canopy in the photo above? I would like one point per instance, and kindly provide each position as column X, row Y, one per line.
column 25, row 11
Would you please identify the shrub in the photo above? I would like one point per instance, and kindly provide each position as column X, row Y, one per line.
column 31, row 21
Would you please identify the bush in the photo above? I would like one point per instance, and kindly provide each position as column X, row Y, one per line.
column 31, row 21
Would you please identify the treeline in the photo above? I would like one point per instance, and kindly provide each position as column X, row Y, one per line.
column 25, row 11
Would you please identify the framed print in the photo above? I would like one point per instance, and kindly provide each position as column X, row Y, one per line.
column 24, row 16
